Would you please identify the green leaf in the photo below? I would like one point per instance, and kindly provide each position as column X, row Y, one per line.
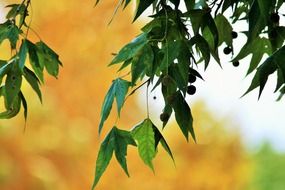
column 131, row 49
column 36, row 64
column 196, row 17
column 107, row 105
column 104, row 156
column 49, row 58
column 13, row 84
column 171, row 51
column 256, row 21
column 160, row 139
column 4, row 69
column 15, row 10
column 121, row 90
column 33, row 81
column 228, row 3
column 122, row 140
column 209, row 22
column 142, row 5
column 144, row 135
column 13, row 110
column 203, row 46
column 8, row 30
column 118, row 89
column 224, row 29
column 23, row 54
column 183, row 115
column 4, row 29
column 260, row 78
column 13, row 35
column 257, row 47
column 117, row 140
column 24, row 103
column 142, row 63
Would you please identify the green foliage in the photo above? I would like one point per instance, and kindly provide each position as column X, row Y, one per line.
column 14, row 70
column 173, row 44
column 169, row 49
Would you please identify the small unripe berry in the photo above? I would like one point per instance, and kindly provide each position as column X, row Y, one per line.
column 191, row 89
column 166, row 81
column 170, row 99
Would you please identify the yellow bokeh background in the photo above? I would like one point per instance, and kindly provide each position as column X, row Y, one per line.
column 58, row 149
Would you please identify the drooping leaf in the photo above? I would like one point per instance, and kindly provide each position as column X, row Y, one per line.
column 160, row 139
column 203, row 46
column 171, row 52
column 142, row 5
column 131, row 49
column 13, row 84
column 183, row 115
column 13, row 109
column 224, row 29
column 116, row 141
column 48, row 58
column 122, row 140
column 144, row 135
column 260, row 78
column 33, row 81
column 4, row 69
column 37, row 65
column 118, row 89
column 25, row 105
column 23, row 54
column 121, row 89
column 256, row 21
column 104, row 156
column 257, row 47
column 107, row 105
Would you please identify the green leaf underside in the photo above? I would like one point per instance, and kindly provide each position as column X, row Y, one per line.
column 144, row 135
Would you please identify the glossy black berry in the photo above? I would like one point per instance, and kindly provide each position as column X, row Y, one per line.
column 227, row 50
column 191, row 78
column 191, row 89
column 164, row 117
column 234, row 34
column 275, row 17
column 236, row 63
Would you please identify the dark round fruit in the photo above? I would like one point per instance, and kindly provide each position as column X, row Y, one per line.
column 191, row 89
column 275, row 17
column 164, row 117
column 170, row 99
column 166, row 81
column 191, row 78
column 236, row 63
column 227, row 50
column 234, row 34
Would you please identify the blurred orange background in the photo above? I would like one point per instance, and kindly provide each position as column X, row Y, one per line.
column 59, row 147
